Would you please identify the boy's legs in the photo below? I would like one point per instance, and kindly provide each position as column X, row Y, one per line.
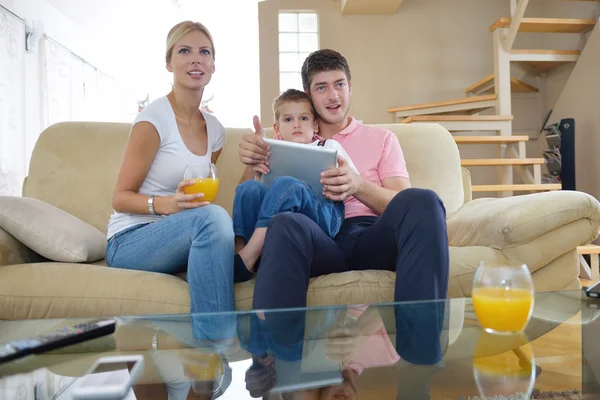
column 246, row 204
column 290, row 195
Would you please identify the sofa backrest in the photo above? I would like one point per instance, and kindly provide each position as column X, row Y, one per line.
column 74, row 166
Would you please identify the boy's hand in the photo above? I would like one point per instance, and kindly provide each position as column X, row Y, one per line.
column 260, row 169
column 253, row 149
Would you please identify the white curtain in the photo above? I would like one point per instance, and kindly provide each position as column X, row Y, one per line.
column 74, row 90
column 12, row 105
column 57, row 84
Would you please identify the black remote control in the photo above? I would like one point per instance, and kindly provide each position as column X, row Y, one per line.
column 65, row 337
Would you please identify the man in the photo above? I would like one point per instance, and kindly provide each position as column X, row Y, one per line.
column 388, row 225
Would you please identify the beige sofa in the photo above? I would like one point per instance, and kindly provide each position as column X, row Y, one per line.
column 74, row 167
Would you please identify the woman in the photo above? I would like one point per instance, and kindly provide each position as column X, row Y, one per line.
column 155, row 226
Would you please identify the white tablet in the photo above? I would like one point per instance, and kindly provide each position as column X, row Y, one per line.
column 301, row 161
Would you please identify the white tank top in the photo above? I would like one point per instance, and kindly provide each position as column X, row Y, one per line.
column 168, row 166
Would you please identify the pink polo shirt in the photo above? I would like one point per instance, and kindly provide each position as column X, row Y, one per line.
column 377, row 155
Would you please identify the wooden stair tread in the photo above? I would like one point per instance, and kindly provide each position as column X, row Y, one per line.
column 588, row 249
column 516, row 187
column 541, row 64
column 466, row 100
column 460, row 118
column 547, row 52
column 490, row 139
column 481, row 162
column 547, row 25
column 516, row 85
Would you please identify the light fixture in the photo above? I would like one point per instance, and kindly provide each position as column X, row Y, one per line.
column 34, row 31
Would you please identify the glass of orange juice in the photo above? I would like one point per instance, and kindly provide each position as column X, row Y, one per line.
column 205, row 181
column 503, row 298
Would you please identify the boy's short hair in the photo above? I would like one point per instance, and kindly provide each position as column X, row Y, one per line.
column 291, row 96
column 323, row 61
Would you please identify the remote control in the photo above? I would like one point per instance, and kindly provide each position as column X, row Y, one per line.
column 65, row 337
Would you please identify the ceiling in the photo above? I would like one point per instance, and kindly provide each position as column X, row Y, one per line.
column 370, row 7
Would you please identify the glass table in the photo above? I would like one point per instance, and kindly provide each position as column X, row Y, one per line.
column 412, row 350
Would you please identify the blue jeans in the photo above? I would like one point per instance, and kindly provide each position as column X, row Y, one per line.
column 255, row 205
column 199, row 241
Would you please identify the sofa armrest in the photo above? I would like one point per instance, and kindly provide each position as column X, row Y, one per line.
column 511, row 221
column 14, row 252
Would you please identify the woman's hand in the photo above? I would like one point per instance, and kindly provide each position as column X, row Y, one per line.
column 167, row 205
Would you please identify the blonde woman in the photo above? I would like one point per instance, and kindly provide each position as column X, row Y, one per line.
column 155, row 226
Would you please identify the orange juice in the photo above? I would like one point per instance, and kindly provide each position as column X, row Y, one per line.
column 208, row 186
column 502, row 310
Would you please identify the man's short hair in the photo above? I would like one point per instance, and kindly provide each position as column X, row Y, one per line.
column 291, row 96
column 323, row 61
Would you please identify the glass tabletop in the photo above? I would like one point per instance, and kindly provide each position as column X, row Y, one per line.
column 409, row 350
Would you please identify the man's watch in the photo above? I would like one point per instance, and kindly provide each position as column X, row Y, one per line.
column 151, row 205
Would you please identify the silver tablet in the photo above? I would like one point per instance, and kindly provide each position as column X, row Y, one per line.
column 301, row 161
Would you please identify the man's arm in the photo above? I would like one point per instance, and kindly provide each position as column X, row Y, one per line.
column 342, row 182
column 378, row 197
column 254, row 152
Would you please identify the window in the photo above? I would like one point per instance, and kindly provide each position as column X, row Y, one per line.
column 298, row 37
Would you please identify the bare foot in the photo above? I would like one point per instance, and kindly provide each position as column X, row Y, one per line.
column 252, row 251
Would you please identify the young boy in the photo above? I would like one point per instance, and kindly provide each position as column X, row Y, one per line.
column 255, row 204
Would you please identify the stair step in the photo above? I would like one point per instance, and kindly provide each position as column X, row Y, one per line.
column 487, row 162
column 490, row 139
column 486, row 85
column 588, row 249
column 547, row 25
column 517, row 188
column 544, row 60
column 473, row 105
column 437, row 118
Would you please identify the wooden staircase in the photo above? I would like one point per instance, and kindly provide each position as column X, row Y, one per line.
column 493, row 93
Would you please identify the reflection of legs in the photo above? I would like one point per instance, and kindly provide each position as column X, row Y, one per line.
column 421, row 331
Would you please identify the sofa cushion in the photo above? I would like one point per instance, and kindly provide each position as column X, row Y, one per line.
column 61, row 290
column 50, row 231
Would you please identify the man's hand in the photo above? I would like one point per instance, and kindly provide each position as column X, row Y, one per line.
column 253, row 149
column 341, row 182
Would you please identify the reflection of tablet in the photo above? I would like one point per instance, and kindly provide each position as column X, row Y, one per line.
column 289, row 378
column 313, row 371
column 301, row 161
